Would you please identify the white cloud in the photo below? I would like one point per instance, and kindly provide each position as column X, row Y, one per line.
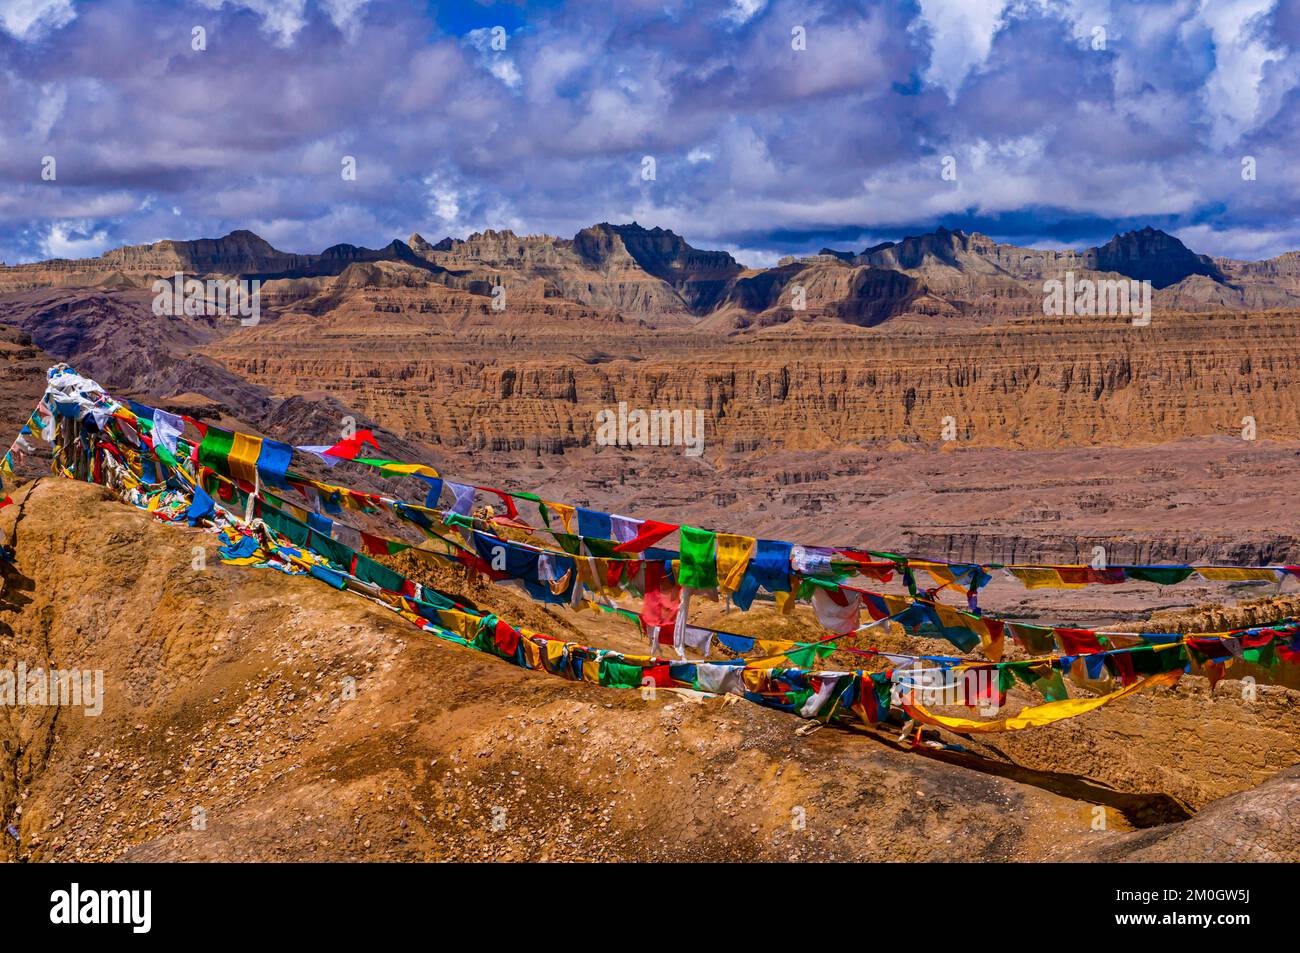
column 492, row 43
column 1232, row 91
column 73, row 240
column 345, row 14
column 751, row 257
column 48, row 110
column 30, row 19
column 1248, row 244
column 281, row 18
column 961, row 36
column 742, row 11
column 443, row 201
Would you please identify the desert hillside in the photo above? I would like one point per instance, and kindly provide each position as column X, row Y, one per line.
column 224, row 708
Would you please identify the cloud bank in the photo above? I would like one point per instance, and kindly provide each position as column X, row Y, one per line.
column 774, row 127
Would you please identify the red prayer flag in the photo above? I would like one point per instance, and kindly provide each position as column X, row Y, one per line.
column 1082, row 575
column 506, row 499
column 349, row 448
column 506, row 637
column 375, row 545
column 659, row 607
column 1078, row 641
column 658, row 674
column 647, row 534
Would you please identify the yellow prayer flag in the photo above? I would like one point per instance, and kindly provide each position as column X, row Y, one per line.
column 734, row 553
column 1038, row 715
column 532, row 652
column 1043, row 579
column 242, row 461
column 566, row 514
column 1234, row 574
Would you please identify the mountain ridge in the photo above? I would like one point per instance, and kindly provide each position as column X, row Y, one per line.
column 655, row 275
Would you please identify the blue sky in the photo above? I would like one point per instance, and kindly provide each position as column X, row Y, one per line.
column 1060, row 121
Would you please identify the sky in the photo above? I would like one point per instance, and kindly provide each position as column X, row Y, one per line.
column 762, row 127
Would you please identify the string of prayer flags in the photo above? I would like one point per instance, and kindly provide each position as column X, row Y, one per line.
column 124, row 446
column 244, row 456
column 1038, row 715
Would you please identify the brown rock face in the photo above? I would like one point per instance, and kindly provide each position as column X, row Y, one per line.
column 1257, row 826
column 699, row 277
column 538, row 376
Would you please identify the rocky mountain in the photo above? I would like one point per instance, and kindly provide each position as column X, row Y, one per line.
column 1145, row 255
column 1154, row 256
column 239, row 254
column 582, row 271
column 699, row 277
column 653, row 276
column 627, row 268
column 975, row 274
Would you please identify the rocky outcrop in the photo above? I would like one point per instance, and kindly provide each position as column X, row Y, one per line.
column 699, row 277
column 1256, row 826
column 240, row 252
column 1154, row 256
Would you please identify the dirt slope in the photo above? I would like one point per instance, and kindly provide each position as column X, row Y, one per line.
column 224, row 704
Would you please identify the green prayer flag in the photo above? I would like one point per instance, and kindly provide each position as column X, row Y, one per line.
column 214, row 451
column 1052, row 687
column 699, row 561
column 1264, row 655
column 1158, row 660
column 604, row 548
column 619, row 674
column 570, row 543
